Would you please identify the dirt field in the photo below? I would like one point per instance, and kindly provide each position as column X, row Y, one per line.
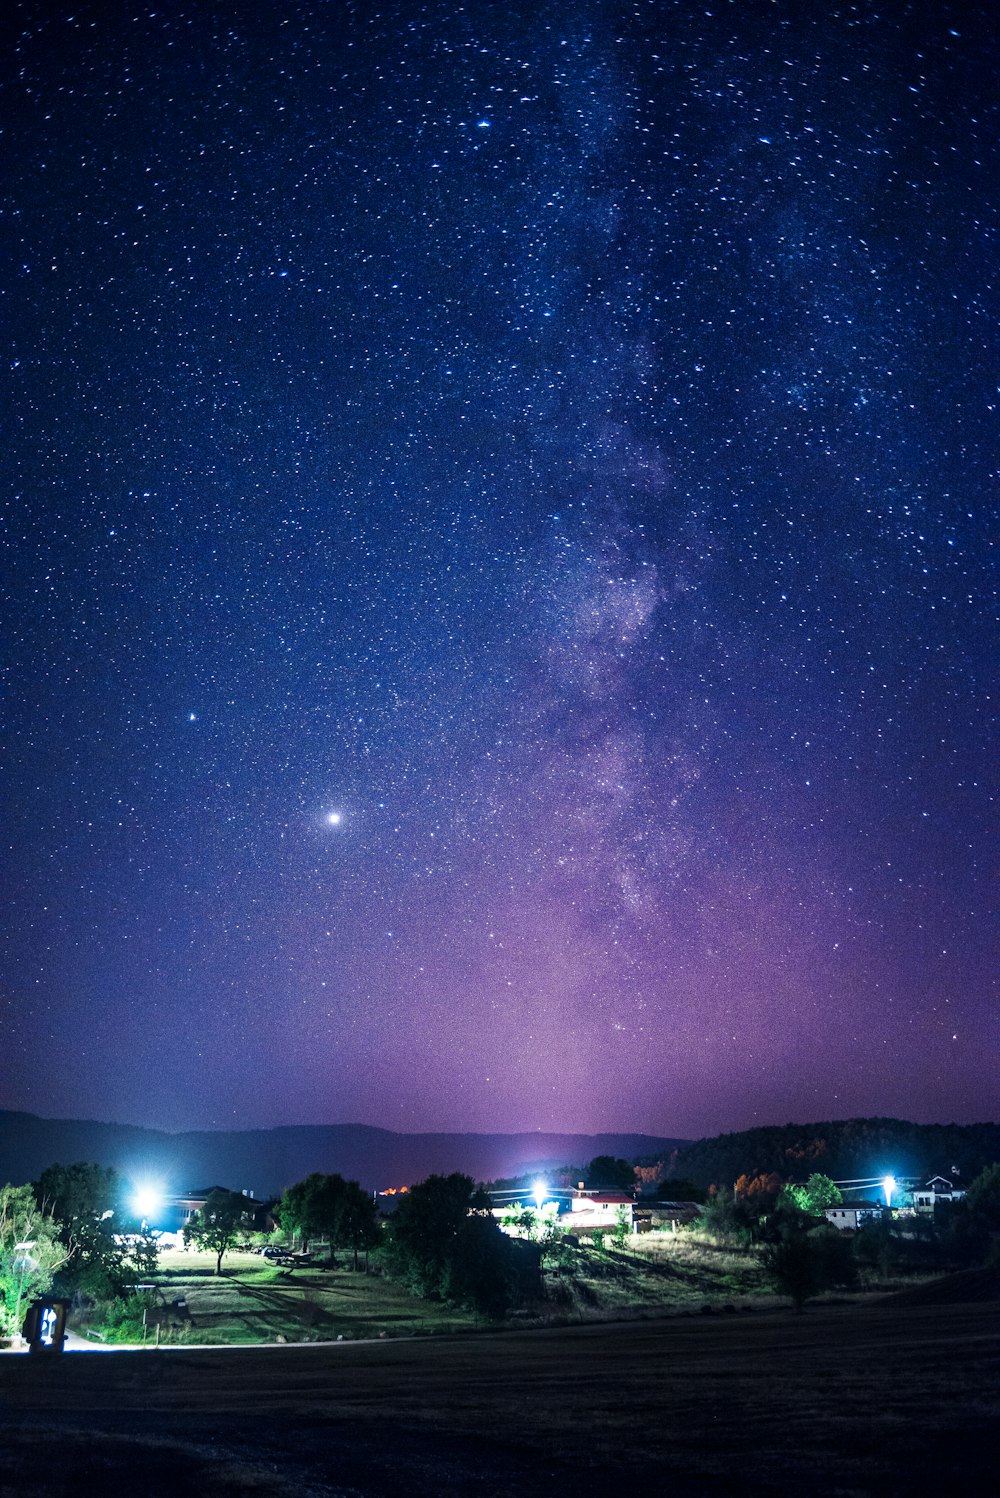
column 887, row 1400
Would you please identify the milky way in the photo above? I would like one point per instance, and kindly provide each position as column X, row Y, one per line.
column 496, row 581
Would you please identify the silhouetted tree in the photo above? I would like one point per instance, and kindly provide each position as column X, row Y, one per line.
column 968, row 1228
column 481, row 1268
column 105, row 1250
column 327, row 1206
column 445, row 1244
column 842, row 1148
column 725, row 1217
column 30, row 1254
column 423, row 1229
column 815, row 1196
column 357, row 1220
column 679, row 1189
column 795, row 1267
column 218, row 1225
column 608, row 1170
column 982, row 1200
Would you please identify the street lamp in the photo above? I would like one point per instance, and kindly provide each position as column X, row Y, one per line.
column 146, row 1203
column 888, row 1186
column 539, row 1191
column 22, row 1265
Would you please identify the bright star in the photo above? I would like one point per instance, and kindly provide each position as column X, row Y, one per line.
column 333, row 819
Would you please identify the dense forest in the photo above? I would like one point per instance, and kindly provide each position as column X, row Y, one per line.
column 844, row 1149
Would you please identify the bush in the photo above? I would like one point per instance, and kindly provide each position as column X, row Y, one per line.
column 795, row 1268
column 29, row 1255
column 480, row 1271
column 727, row 1220
column 444, row 1245
column 802, row 1264
column 874, row 1248
column 122, row 1319
column 837, row 1265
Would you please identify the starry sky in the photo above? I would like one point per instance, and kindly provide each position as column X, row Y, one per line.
column 495, row 584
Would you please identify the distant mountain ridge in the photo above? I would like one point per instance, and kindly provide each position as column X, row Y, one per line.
column 265, row 1161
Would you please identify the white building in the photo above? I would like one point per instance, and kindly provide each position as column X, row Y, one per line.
column 854, row 1215
column 937, row 1189
column 597, row 1208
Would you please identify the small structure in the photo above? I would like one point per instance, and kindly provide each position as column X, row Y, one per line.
column 44, row 1327
column 668, row 1216
column 854, row 1215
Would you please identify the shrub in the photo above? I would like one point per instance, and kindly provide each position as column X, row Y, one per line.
column 794, row 1266
column 127, row 1317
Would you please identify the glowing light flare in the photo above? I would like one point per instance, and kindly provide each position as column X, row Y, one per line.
column 147, row 1201
column 888, row 1186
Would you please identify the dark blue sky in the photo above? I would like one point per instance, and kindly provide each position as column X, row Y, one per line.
column 556, row 441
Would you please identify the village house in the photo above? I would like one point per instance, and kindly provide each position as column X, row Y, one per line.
column 177, row 1211
column 854, row 1215
column 937, row 1189
column 597, row 1208
column 581, row 1210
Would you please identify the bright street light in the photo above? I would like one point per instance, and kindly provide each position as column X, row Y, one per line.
column 888, row 1186
column 147, row 1201
column 539, row 1191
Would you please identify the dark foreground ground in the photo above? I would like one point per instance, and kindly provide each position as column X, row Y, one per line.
column 891, row 1400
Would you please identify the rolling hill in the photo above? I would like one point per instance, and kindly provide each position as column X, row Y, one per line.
column 264, row 1161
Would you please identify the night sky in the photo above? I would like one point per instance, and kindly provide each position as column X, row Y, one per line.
column 495, row 582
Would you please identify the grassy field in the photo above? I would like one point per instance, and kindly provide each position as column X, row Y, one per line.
column 657, row 1274
column 254, row 1301
column 847, row 1401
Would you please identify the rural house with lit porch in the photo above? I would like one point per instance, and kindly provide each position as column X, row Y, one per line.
column 582, row 1210
column 594, row 1209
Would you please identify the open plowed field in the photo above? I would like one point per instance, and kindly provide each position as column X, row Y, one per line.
column 842, row 1400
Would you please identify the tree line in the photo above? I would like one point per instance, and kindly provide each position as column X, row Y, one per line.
column 74, row 1230
column 441, row 1242
column 841, row 1149
column 804, row 1255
